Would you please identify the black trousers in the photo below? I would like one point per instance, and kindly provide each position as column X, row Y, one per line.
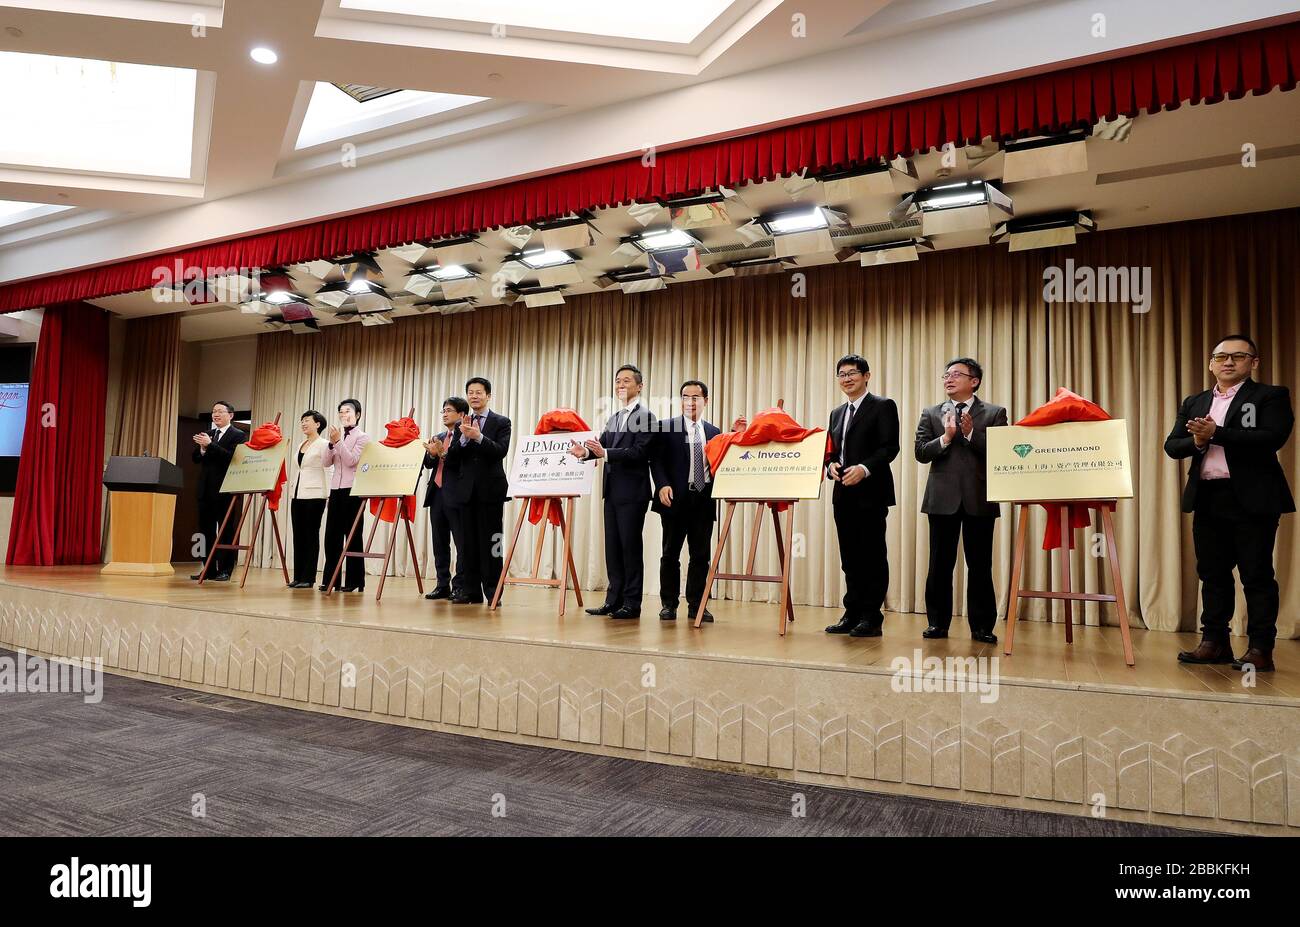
column 211, row 510
column 305, row 515
column 624, row 552
column 338, row 520
column 1225, row 537
column 479, row 548
column 864, row 558
column 976, row 532
column 440, row 529
column 690, row 521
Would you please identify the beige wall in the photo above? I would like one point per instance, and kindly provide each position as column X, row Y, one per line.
column 224, row 371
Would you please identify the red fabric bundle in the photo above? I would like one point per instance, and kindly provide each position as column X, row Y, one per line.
column 557, row 420
column 268, row 435
column 1066, row 406
column 773, row 424
column 400, row 433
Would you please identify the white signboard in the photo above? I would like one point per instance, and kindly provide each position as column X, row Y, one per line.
column 543, row 466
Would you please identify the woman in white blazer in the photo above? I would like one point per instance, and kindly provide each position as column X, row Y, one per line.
column 310, row 491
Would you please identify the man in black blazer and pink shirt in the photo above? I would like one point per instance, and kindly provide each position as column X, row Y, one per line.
column 684, row 499
column 213, row 450
column 1237, row 492
column 474, row 480
column 864, row 440
column 624, row 445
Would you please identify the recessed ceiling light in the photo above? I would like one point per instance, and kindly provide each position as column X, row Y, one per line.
column 672, row 238
column 796, row 222
column 539, row 258
column 263, row 55
column 450, row 272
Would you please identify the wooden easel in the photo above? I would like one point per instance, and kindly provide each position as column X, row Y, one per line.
column 1069, row 597
column 567, row 571
column 257, row 524
column 387, row 554
column 783, row 550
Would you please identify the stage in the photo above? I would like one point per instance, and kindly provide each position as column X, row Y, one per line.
column 1059, row 728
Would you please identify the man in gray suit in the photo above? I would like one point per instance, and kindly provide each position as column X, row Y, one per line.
column 951, row 437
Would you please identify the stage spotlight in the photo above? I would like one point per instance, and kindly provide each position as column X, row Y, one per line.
column 537, row 258
column 1046, row 156
column 669, row 238
column 889, row 252
column 1048, row 231
column 952, row 207
column 879, row 178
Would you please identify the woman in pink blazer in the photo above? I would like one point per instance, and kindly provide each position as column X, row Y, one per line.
column 346, row 441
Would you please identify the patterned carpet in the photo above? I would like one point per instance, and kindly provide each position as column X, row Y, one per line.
column 132, row 765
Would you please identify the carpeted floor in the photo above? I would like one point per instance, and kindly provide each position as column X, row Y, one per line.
column 133, row 764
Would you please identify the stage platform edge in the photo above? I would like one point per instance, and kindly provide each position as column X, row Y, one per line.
column 1203, row 760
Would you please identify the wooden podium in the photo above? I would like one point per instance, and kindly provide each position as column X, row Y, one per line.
column 142, row 505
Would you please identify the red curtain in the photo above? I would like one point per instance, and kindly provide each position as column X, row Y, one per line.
column 1200, row 72
column 56, row 517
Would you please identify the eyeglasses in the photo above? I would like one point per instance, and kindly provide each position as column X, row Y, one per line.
column 848, row 374
column 953, row 374
column 1239, row 357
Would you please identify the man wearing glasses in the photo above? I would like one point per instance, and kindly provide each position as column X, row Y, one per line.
column 951, row 438
column 1237, row 492
column 864, row 439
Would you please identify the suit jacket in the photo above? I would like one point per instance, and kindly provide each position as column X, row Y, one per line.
column 432, row 489
column 475, row 471
column 216, row 461
column 313, row 480
column 957, row 473
column 1251, row 449
column 627, row 456
column 344, row 457
column 873, row 442
column 670, row 462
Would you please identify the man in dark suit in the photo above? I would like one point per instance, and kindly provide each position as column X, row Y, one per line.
column 864, row 439
column 684, row 500
column 213, row 450
column 477, row 490
column 952, row 438
column 440, row 528
column 624, row 445
column 1237, row 492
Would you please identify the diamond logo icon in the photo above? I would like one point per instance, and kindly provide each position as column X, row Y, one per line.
column 1022, row 449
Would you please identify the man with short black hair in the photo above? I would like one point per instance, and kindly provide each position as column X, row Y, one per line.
column 951, row 437
column 477, row 490
column 1237, row 492
column 624, row 445
column 213, row 450
column 435, row 500
column 864, row 440
column 684, row 500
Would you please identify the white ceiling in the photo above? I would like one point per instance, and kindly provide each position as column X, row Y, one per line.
column 542, row 98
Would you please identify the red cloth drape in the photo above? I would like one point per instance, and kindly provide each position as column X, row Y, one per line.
column 268, row 435
column 773, row 424
column 400, row 433
column 57, row 502
column 1206, row 71
column 556, row 420
column 1066, row 406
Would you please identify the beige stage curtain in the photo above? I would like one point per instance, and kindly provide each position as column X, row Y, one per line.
column 760, row 339
column 150, row 396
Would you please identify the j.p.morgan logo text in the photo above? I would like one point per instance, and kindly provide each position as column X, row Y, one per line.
column 103, row 880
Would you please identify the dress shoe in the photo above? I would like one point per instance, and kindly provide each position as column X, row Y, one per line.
column 667, row 614
column 351, row 588
column 197, row 575
column 844, row 625
column 302, row 584
column 438, row 593
column 605, row 609
column 865, row 628
column 465, row 600
column 1261, row 660
column 324, row 588
column 932, row 632
column 218, row 578
column 625, row 612
column 984, row 637
column 708, row 615
column 1207, row 652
